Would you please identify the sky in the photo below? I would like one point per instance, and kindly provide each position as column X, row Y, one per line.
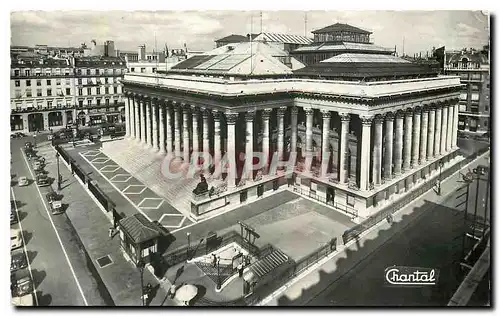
column 418, row 30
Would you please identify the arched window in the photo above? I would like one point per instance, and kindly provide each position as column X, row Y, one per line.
column 465, row 61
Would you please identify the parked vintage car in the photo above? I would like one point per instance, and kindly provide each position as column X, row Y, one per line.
column 42, row 180
column 23, row 181
column 21, row 287
column 16, row 240
column 55, row 202
column 18, row 260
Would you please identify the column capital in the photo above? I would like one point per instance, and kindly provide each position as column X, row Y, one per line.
column 417, row 110
column 326, row 114
column 266, row 113
column 366, row 119
column 185, row 106
column 308, row 111
column 231, row 117
column 295, row 110
column 425, row 109
column 345, row 117
column 249, row 116
column 281, row 111
column 194, row 109
column 378, row 119
column 389, row 116
column 205, row 113
column 400, row 114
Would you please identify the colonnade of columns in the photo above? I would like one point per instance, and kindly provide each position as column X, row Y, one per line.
column 391, row 144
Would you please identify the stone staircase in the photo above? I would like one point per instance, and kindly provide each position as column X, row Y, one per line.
column 145, row 166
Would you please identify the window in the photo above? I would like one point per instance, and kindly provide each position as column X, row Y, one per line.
column 80, row 81
column 115, row 90
column 49, row 92
column 17, row 83
column 58, row 82
column 154, row 70
column 18, row 93
column 143, row 70
column 16, row 73
column 115, row 102
column 88, row 72
column 39, row 104
column 28, row 93
column 59, row 92
column 98, row 91
column 132, row 69
column 486, row 108
column 89, row 91
column 79, row 72
column 28, row 83
column 107, row 101
column 80, row 103
column 106, row 90
column 49, row 104
column 98, row 101
column 80, row 91
column 27, row 72
column 105, row 80
column 66, row 72
column 350, row 200
column 68, row 82
column 38, row 82
column 48, row 82
column 38, row 92
column 68, row 91
column 89, row 102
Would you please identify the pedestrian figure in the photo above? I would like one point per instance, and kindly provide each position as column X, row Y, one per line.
column 240, row 270
column 111, row 232
column 214, row 260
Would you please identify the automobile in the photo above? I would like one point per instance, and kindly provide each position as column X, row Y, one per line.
column 42, row 180
column 28, row 145
column 18, row 260
column 38, row 166
column 23, row 181
column 20, row 283
column 53, row 196
column 13, row 135
column 25, row 300
column 20, row 135
column 40, row 159
column 56, row 207
column 16, row 240
column 13, row 217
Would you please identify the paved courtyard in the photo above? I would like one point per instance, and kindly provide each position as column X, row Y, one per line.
column 297, row 227
column 144, row 200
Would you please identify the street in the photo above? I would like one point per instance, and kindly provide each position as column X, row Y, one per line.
column 57, row 261
column 434, row 240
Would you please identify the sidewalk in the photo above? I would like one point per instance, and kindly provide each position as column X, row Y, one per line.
column 121, row 277
column 323, row 275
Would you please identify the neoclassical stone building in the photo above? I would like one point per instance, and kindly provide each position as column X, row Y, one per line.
column 377, row 125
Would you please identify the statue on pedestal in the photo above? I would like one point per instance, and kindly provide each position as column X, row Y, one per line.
column 202, row 187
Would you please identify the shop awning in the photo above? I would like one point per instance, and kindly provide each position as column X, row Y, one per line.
column 266, row 265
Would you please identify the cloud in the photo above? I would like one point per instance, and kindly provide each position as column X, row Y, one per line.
column 466, row 30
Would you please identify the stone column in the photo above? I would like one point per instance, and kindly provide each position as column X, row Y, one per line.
column 168, row 127
column 408, row 131
column 143, row 120
column 444, row 128
column 431, row 134
column 377, row 152
column 185, row 132
column 398, row 143
column 437, row 133
column 161, row 128
column 449, row 132
column 265, row 136
column 148, row 140
column 64, row 119
column 309, row 129
column 231, row 150
column 366, row 123
column 154, row 107
column 46, row 124
column 423, row 135
column 177, row 129
column 416, row 137
column 196, row 138
column 344, row 147
column 217, row 150
column 206, row 139
column 127, row 116
column 293, row 138
column 455, row 126
column 389, row 143
column 249, row 117
column 280, row 113
column 137, row 120
column 325, row 141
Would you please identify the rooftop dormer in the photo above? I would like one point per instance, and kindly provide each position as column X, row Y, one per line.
column 339, row 32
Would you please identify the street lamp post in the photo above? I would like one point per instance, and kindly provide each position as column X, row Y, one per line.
column 189, row 245
column 58, row 174
column 141, row 265
column 440, row 169
column 218, row 273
